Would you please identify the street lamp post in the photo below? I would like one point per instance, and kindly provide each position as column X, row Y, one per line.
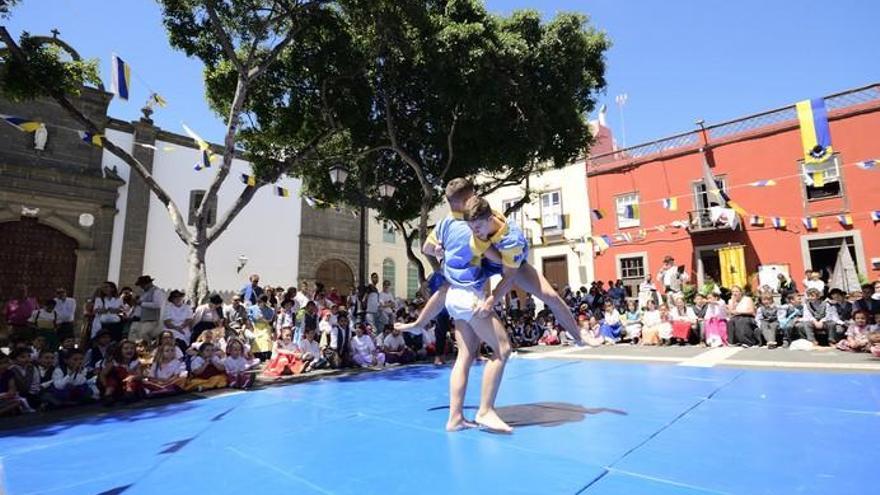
column 338, row 175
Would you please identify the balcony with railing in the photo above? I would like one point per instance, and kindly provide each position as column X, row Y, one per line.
column 700, row 221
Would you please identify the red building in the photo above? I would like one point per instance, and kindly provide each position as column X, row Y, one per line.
column 629, row 186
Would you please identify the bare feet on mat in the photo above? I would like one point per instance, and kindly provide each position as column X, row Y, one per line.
column 461, row 424
column 492, row 422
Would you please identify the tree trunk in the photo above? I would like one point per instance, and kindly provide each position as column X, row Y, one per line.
column 197, row 280
column 423, row 231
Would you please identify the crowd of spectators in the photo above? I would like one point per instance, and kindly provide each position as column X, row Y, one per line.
column 138, row 343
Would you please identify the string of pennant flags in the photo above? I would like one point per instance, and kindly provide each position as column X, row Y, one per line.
column 813, row 179
column 603, row 242
column 121, row 75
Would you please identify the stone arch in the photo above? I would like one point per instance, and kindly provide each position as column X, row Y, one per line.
column 334, row 272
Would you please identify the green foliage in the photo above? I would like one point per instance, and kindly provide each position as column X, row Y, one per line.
column 5, row 7
column 49, row 62
column 515, row 90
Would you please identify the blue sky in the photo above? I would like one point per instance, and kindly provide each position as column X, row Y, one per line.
column 677, row 61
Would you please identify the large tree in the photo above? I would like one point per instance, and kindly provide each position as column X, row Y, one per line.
column 455, row 91
column 247, row 46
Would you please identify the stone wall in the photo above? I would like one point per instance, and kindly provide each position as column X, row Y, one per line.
column 327, row 234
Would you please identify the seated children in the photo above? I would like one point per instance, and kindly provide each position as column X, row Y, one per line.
column 206, row 370
column 857, row 335
column 396, row 351
column 632, row 322
column 767, row 317
column 70, row 382
column 10, row 401
column 237, row 366
column 167, row 374
column 363, row 349
column 121, row 376
column 716, row 321
column 286, row 357
column 27, row 377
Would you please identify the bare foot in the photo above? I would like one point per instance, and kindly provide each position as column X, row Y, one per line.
column 460, row 424
column 438, row 361
column 491, row 421
column 404, row 326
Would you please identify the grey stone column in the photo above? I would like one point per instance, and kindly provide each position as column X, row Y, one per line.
column 134, row 235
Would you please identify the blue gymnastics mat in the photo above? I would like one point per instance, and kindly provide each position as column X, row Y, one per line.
column 581, row 427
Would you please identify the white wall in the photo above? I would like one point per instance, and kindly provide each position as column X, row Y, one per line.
column 266, row 231
column 379, row 250
column 123, row 140
column 571, row 181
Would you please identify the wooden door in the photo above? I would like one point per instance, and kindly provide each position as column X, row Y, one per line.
column 556, row 271
column 335, row 273
column 37, row 257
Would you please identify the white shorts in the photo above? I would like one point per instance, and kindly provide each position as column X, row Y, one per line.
column 462, row 302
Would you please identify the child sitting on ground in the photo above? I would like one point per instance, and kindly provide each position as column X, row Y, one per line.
column 10, row 401
column 237, row 366
column 286, row 357
column 167, row 373
column 27, row 377
column 311, row 351
column 70, row 382
column 121, row 376
column 857, row 335
column 207, row 371
column 632, row 322
column 716, row 321
column 767, row 317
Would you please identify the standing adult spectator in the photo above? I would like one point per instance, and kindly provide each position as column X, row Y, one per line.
column 147, row 323
column 250, row 293
column 371, row 305
column 671, row 276
column 374, row 280
column 17, row 312
column 334, row 297
column 387, row 306
column 207, row 316
column 647, row 292
column 530, row 306
column 108, row 312
column 741, row 327
column 66, row 309
column 785, row 286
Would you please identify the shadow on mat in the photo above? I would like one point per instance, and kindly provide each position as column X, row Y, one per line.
column 545, row 414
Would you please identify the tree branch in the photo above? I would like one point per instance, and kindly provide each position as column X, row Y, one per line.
column 449, row 147
column 248, row 194
column 62, row 100
column 411, row 256
column 223, row 36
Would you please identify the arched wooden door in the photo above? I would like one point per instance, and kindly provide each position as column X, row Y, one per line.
column 35, row 256
column 335, row 273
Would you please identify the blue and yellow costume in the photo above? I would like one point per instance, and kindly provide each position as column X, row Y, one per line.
column 511, row 243
column 461, row 264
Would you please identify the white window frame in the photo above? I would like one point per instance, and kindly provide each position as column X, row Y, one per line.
column 517, row 216
column 551, row 215
column 389, row 235
column 620, row 202
column 620, row 257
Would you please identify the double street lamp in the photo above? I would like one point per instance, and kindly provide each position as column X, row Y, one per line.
column 338, row 175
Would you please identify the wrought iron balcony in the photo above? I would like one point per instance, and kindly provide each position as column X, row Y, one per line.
column 701, row 221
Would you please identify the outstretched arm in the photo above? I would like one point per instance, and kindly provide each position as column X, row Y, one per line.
column 432, row 308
